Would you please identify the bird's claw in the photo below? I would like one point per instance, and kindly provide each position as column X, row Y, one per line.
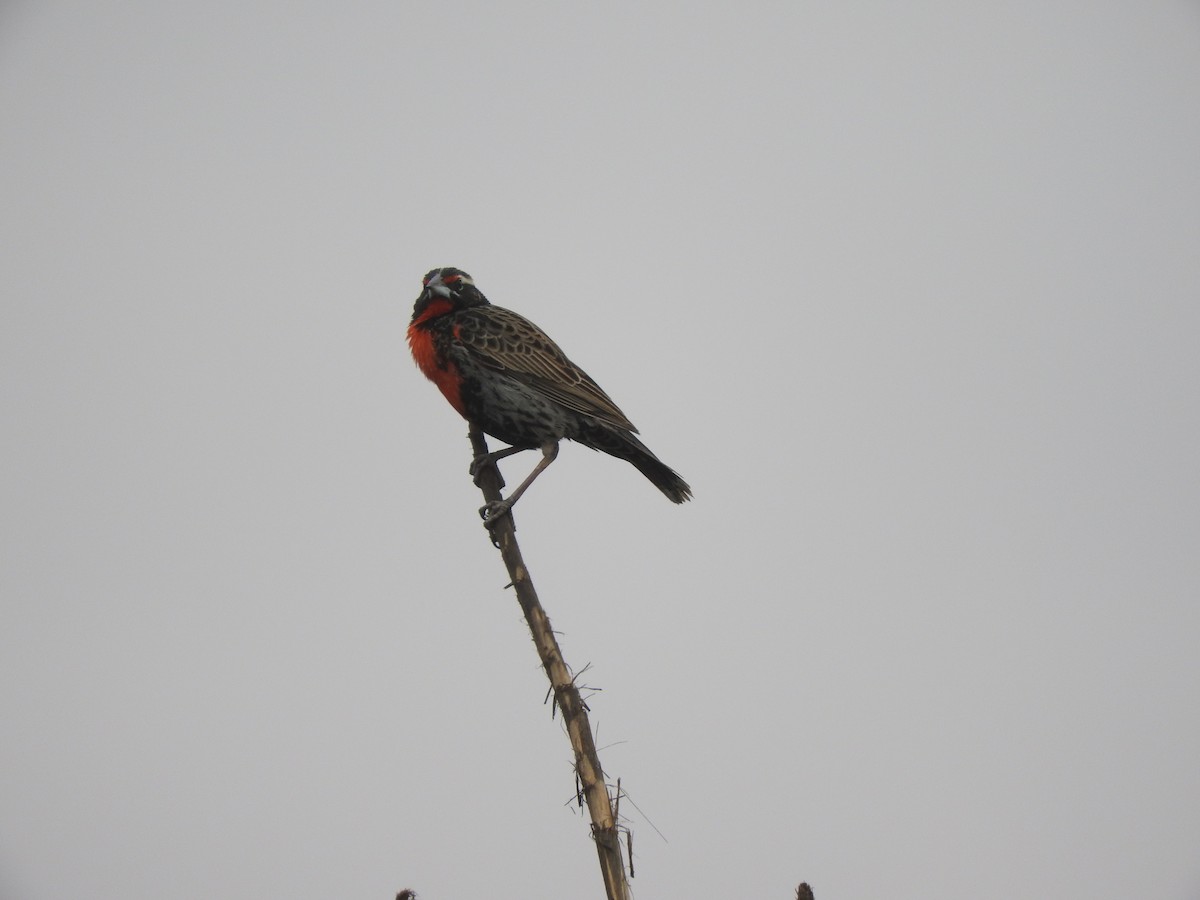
column 477, row 467
column 493, row 512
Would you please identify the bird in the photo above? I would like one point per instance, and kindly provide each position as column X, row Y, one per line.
column 505, row 376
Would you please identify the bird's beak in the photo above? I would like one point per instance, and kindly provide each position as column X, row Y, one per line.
column 435, row 287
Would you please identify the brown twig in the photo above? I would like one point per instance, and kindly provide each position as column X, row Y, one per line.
column 566, row 695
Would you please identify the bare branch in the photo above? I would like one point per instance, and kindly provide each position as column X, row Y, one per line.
column 566, row 694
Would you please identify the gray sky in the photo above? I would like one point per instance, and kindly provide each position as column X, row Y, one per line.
column 909, row 294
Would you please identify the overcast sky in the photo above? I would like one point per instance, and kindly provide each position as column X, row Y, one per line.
column 909, row 293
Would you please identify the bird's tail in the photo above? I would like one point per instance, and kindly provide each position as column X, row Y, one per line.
column 626, row 446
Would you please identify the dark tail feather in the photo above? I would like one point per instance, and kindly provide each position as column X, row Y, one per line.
column 624, row 445
column 664, row 477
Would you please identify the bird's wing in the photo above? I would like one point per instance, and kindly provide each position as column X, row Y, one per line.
column 502, row 340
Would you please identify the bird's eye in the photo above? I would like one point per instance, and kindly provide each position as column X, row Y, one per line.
column 452, row 279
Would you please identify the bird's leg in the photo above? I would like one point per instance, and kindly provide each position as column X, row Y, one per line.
column 499, row 508
column 486, row 459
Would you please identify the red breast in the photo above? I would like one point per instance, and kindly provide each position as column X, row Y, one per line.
column 437, row 368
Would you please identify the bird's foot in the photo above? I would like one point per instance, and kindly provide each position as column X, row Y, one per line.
column 493, row 512
column 479, row 463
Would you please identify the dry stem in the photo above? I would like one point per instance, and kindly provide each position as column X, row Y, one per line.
column 566, row 695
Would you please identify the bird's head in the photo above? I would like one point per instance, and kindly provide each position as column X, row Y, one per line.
column 446, row 282
column 445, row 290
